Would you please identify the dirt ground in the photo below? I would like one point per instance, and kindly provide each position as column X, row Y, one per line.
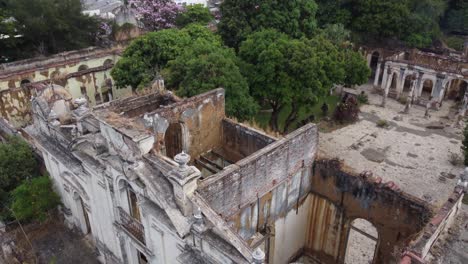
column 53, row 243
column 413, row 151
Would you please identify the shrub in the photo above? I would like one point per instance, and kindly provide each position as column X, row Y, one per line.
column 17, row 163
column 33, row 199
column 455, row 159
column 403, row 100
column 382, row 123
column 347, row 111
column 324, row 109
column 363, row 98
column 465, row 145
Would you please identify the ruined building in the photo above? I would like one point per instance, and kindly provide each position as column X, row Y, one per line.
column 83, row 73
column 159, row 179
column 417, row 76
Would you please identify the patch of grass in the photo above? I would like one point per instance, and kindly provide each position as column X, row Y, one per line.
column 465, row 199
column 363, row 99
column 454, row 42
column 382, row 123
column 403, row 100
column 263, row 118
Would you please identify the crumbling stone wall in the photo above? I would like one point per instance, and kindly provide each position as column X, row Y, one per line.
column 242, row 139
column 201, row 120
column 267, row 193
column 15, row 106
column 342, row 196
column 84, row 73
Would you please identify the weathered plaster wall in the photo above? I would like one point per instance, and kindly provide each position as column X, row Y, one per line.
column 83, row 73
column 341, row 196
column 201, row 120
column 261, row 173
column 243, row 139
column 268, row 193
column 15, row 106
column 433, row 231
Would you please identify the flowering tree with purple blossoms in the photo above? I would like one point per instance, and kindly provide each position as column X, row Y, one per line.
column 157, row 14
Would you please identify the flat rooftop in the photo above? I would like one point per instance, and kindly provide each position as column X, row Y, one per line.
column 413, row 153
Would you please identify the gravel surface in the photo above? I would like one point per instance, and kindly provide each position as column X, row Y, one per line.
column 406, row 152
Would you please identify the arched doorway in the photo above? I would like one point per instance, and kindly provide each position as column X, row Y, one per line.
column 173, row 140
column 83, row 68
column 362, row 242
column 374, row 63
column 83, row 214
column 426, row 92
column 25, row 81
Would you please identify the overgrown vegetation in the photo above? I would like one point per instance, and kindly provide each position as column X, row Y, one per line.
column 416, row 23
column 455, row 159
column 382, row 123
column 197, row 14
column 347, row 111
column 18, row 167
column 363, row 98
column 33, row 199
column 465, row 144
column 44, row 27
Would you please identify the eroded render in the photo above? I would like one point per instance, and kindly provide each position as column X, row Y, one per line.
column 160, row 179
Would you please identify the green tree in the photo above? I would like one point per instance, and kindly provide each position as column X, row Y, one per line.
column 333, row 12
column 284, row 72
column 336, row 33
column 204, row 66
column 17, row 163
column 33, row 199
column 50, row 26
column 356, row 70
column 465, row 144
column 147, row 55
column 243, row 17
column 194, row 14
column 456, row 17
column 412, row 22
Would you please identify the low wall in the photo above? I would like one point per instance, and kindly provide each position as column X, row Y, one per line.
column 419, row 248
column 243, row 139
column 341, row 196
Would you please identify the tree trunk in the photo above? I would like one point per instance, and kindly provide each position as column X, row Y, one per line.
column 274, row 117
column 291, row 117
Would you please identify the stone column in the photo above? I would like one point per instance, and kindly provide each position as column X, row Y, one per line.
column 384, row 78
column 419, row 84
column 410, row 95
column 377, row 75
column 401, row 82
column 184, row 181
column 387, row 87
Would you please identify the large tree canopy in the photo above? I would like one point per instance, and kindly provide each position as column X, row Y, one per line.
column 288, row 72
column 204, row 66
column 412, row 21
column 243, row 17
column 456, row 17
column 49, row 26
column 294, row 73
column 194, row 14
column 17, row 163
column 148, row 54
